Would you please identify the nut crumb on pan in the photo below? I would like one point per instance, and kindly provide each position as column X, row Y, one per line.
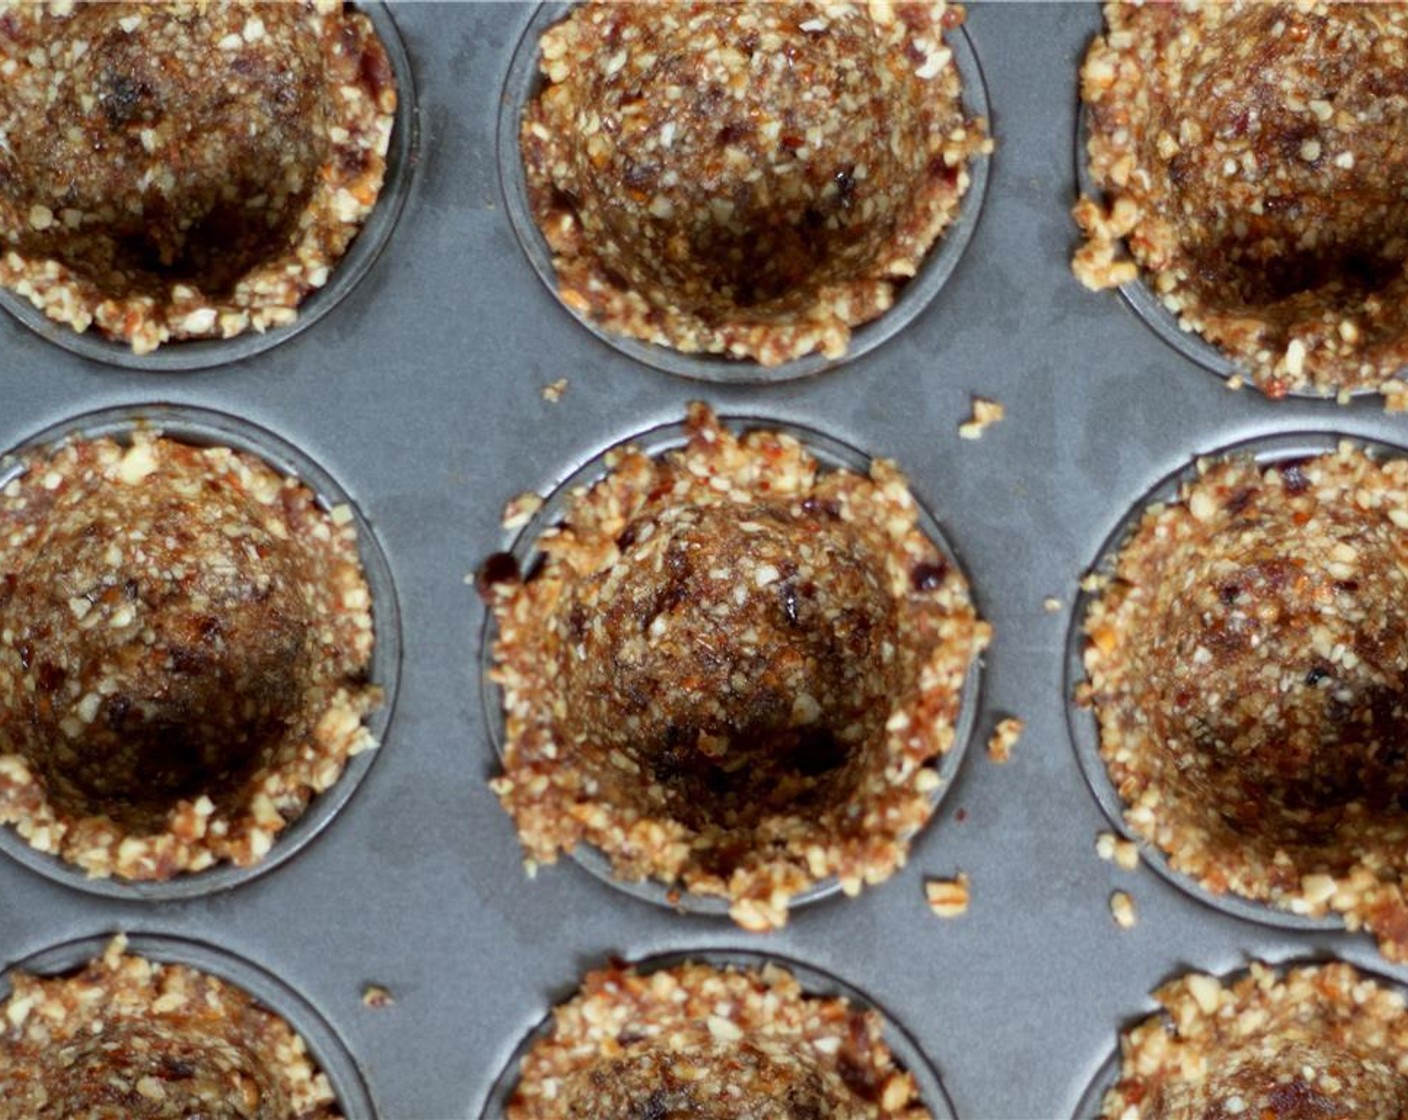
column 184, row 640
column 552, row 392
column 731, row 1044
column 948, row 898
column 236, row 167
column 1124, row 853
column 985, row 414
column 733, row 671
column 125, row 1036
column 1051, row 605
column 1122, row 910
column 1250, row 156
column 519, row 510
column 1320, row 1041
column 1004, row 738
column 376, row 997
column 751, row 179
column 1248, row 666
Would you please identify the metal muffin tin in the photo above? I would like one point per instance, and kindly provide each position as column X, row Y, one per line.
column 420, row 394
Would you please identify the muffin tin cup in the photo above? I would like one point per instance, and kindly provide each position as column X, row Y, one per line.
column 325, row 1047
column 525, row 82
column 813, row 981
column 831, row 454
column 1106, row 1076
column 204, row 427
column 345, row 275
column 1164, row 322
column 1083, row 724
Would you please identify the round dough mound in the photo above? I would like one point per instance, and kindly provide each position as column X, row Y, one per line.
column 1249, row 665
column 1253, row 155
column 745, row 178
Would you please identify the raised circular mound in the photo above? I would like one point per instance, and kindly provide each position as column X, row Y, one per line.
column 733, row 672
column 1319, row 1041
column 128, row 1037
column 183, row 654
column 695, row 1040
column 185, row 170
column 1251, row 157
column 745, row 179
column 1248, row 662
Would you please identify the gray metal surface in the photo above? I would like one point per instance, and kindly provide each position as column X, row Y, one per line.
column 420, row 393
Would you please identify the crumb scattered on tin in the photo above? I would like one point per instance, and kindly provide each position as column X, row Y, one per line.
column 376, row 997
column 1051, row 605
column 1004, row 738
column 1122, row 910
column 552, row 392
column 519, row 510
column 700, row 1040
column 948, row 898
column 985, row 414
column 1114, row 848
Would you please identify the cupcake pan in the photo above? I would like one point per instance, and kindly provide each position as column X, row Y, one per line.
column 420, row 395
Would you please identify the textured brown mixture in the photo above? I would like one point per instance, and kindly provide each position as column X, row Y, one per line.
column 1252, row 158
column 695, row 1041
column 733, row 671
column 1320, row 1043
column 1248, row 662
column 184, row 639
column 747, row 179
column 128, row 1039
column 185, row 170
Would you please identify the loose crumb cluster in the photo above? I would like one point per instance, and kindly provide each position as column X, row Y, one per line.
column 184, row 642
column 1321, row 1041
column 1123, row 853
column 730, row 1044
column 749, row 179
column 948, row 898
column 732, row 671
column 1004, row 737
column 1123, row 911
column 985, row 414
column 1248, row 663
column 185, row 170
column 1251, row 157
column 128, row 1037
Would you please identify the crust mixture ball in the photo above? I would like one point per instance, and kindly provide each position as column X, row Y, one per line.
column 126, row 1037
column 185, row 170
column 745, row 179
column 184, row 639
column 1248, row 662
column 1251, row 158
column 1322, row 1041
column 733, row 672
column 728, row 1044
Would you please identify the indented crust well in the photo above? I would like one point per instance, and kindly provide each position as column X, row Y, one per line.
column 185, row 170
column 185, row 637
column 752, row 180
column 734, row 671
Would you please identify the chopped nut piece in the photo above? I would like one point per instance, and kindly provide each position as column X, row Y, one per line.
column 520, row 510
column 375, row 996
column 1052, row 605
column 1004, row 738
column 1124, row 853
column 985, row 414
column 948, row 898
column 1122, row 910
column 727, row 1042
column 552, row 392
